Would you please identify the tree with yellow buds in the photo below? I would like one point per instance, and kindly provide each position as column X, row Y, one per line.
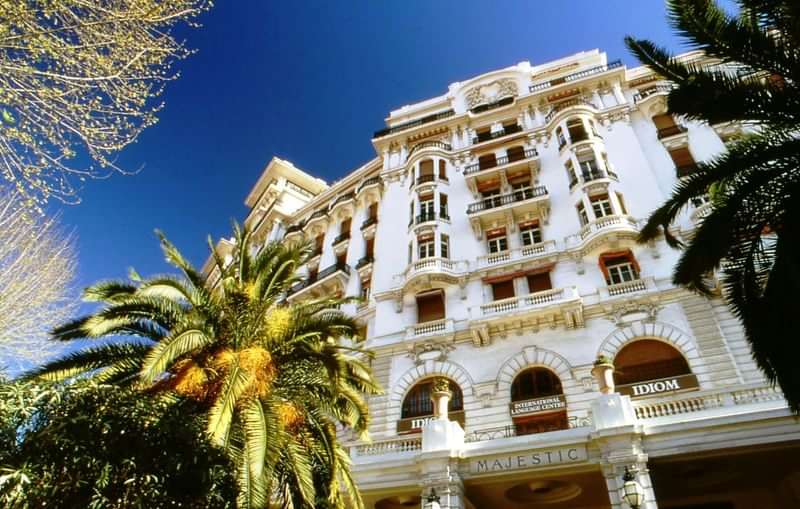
column 277, row 378
column 81, row 77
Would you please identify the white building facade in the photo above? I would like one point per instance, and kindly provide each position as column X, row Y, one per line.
column 493, row 240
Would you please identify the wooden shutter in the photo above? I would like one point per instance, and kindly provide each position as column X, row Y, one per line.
column 442, row 169
column 426, row 167
column 664, row 120
column 373, row 211
column 681, row 156
column 346, row 225
column 503, row 289
column 487, row 161
column 430, row 306
column 539, row 282
column 515, row 154
column 370, row 247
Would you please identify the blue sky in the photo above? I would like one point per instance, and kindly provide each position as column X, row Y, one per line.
column 310, row 82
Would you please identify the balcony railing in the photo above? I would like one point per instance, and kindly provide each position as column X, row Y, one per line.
column 318, row 213
column 500, row 161
column 511, row 430
column 432, row 328
column 396, row 446
column 559, row 107
column 432, row 265
column 519, row 254
column 575, row 76
column 342, row 198
column 370, row 181
column 424, row 179
column 647, row 92
column 499, row 201
column 297, row 227
column 430, row 144
column 624, row 288
column 414, row 123
column 734, row 400
column 321, row 275
column 486, row 136
column 592, row 176
column 492, row 106
column 369, row 222
column 364, row 261
column 672, row 130
column 424, row 218
column 527, row 302
column 685, row 169
column 341, row 238
column 602, row 224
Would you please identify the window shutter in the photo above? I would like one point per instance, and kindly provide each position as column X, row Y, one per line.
column 539, row 282
column 681, row 156
column 430, row 307
column 664, row 120
column 426, row 167
column 503, row 290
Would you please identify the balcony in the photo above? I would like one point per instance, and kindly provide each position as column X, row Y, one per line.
column 589, row 180
column 443, row 327
column 368, row 227
column 423, row 272
column 575, row 76
column 414, row 123
column 502, row 201
column 501, row 163
column 548, row 304
column 628, row 287
column 511, row 431
column 424, row 220
column 341, row 242
column 656, row 90
column 370, row 182
column 327, row 281
column 523, row 254
column 564, row 105
column 605, row 228
column 670, row 131
column 481, row 108
column 488, row 135
column 364, row 265
column 432, row 145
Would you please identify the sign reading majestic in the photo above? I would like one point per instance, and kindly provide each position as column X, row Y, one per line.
column 531, row 459
column 538, row 405
column 650, row 387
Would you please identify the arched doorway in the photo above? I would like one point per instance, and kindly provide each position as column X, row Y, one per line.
column 649, row 366
column 417, row 406
column 537, row 402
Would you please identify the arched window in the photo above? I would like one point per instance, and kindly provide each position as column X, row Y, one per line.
column 417, row 402
column 646, row 360
column 537, row 402
column 535, row 383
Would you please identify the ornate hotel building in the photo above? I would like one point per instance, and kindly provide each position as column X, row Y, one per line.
column 493, row 241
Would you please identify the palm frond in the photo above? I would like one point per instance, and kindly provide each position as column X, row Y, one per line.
column 170, row 349
column 90, row 359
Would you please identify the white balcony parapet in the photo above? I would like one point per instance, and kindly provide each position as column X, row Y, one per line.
column 396, row 446
column 635, row 286
column 432, row 328
column 525, row 302
column 432, row 266
column 520, row 254
column 603, row 225
column 730, row 400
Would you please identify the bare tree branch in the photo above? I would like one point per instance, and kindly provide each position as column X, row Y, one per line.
column 80, row 76
column 37, row 269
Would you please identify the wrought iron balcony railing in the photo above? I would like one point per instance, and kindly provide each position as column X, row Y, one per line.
column 321, row 275
column 486, row 136
column 498, row 201
column 500, row 161
column 414, row 123
column 575, row 76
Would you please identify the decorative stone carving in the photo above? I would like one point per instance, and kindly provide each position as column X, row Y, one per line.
column 626, row 312
column 491, row 92
column 423, row 352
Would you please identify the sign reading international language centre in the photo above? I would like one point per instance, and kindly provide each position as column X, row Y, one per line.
column 538, row 405
column 650, row 387
column 533, row 459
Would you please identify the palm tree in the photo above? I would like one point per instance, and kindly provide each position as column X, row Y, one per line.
column 276, row 378
column 751, row 234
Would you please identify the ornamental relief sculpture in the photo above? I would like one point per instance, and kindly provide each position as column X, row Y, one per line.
column 491, row 92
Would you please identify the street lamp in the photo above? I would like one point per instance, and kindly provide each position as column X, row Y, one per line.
column 432, row 501
column 632, row 491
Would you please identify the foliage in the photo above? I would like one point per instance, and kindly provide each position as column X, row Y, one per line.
column 81, row 76
column 37, row 267
column 276, row 377
column 751, row 233
column 95, row 446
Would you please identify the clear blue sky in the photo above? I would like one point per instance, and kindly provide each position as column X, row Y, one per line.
column 310, row 82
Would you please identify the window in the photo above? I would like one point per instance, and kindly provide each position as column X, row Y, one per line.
column 684, row 162
column 426, row 247
column 619, row 267
column 411, row 213
column 515, row 154
column 664, row 121
column 535, row 383
column 344, row 227
column 487, row 161
column 445, row 246
column 588, row 166
column 539, row 282
column 418, row 403
column 372, row 212
column 648, row 359
column 530, row 233
column 503, row 289
column 443, row 206
column 562, row 140
column 577, row 131
column 582, row 216
column 497, row 241
column 365, row 289
column 430, row 306
column 318, row 241
column 426, row 168
column 426, row 209
column 482, row 135
column 491, row 197
column 601, row 206
column 370, row 248
column 442, row 169
column 410, row 252
column 571, row 177
column 341, row 260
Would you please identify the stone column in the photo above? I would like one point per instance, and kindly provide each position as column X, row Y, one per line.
column 598, row 101
column 618, row 95
column 441, row 474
